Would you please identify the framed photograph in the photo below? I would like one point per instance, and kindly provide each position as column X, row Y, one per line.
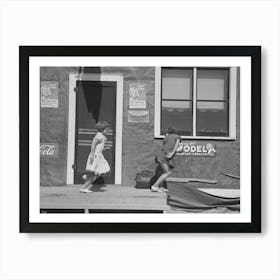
column 140, row 138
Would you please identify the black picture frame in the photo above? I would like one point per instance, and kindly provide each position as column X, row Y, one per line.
column 254, row 52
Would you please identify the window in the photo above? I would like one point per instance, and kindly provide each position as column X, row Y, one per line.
column 212, row 112
column 177, row 102
column 199, row 102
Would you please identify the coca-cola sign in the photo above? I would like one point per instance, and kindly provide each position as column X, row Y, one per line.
column 49, row 150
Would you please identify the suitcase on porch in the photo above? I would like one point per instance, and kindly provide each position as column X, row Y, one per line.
column 145, row 179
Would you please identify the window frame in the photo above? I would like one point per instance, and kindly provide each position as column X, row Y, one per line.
column 186, row 100
column 232, row 92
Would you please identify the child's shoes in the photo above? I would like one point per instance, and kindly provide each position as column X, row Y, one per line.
column 164, row 189
column 85, row 190
column 156, row 189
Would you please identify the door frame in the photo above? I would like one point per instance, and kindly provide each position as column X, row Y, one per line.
column 73, row 78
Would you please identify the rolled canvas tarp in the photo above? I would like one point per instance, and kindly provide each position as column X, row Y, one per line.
column 185, row 196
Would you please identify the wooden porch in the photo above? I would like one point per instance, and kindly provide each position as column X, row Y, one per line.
column 103, row 199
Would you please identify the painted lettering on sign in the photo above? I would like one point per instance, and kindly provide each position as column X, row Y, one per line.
column 141, row 116
column 194, row 149
column 49, row 150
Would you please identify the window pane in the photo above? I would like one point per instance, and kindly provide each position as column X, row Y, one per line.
column 177, row 114
column 212, row 119
column 176, row 83
column 212, row 84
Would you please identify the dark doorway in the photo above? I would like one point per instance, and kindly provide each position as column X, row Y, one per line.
column 95, row 101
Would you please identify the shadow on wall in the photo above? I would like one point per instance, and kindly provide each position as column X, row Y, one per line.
column 93, row 101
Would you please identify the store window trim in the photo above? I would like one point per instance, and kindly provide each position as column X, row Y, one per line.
column 232, row 89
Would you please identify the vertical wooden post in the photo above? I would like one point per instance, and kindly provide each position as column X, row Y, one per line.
column 194, row 99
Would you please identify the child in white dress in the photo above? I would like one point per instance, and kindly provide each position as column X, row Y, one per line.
column 96, row 163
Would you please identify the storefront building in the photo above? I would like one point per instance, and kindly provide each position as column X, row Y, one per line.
column 139, row 103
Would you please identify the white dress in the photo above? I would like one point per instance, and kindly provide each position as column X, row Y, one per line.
column 99, row 164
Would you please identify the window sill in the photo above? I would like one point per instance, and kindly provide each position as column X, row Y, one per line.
column 200, row 138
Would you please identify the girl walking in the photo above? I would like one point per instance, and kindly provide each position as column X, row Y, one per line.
column 164, row 157
column 96, row 163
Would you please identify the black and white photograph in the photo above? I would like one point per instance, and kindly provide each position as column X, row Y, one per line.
column 159, row 139
column 166, row 151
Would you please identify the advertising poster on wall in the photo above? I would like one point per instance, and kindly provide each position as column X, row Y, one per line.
column 137, row 96
column 49, row 94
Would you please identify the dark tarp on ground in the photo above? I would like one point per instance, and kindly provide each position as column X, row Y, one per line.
column 184, row 196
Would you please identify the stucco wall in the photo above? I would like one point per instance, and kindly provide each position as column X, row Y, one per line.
column 53, row 127
column 139, row 145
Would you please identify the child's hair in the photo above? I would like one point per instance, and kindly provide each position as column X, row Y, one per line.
column 172, row 130
column 101, row 125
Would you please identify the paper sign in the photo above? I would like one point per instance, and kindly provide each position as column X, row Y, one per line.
column 140, row 116
column 49, row 94
column 137, row 96
column 194, row 149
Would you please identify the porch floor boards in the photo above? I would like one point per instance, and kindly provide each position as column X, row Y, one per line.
column 105, row 197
